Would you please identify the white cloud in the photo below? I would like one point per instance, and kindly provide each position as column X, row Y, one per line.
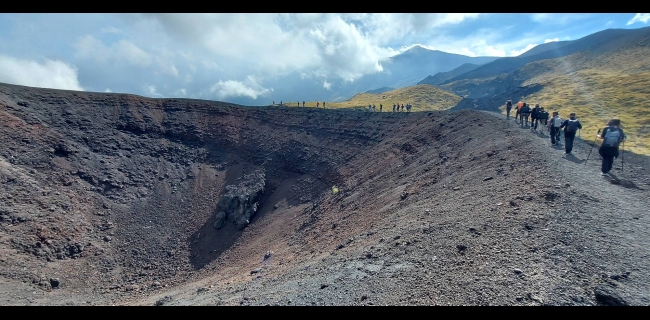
column 111, row 29
column 49, row 74
column 210, row 65
column 639, row 17
column 382, row 28
column 123, row 51
column 327, row 85
column 347, row 46
column 514, row 53
column 481, row 42
column 108, row 90
column 181, row 92
column 130, row 52
column 551, row 40
column 231, row 88
column 553, row 18
column 151, row 91
column 541, row 17
column 406, row 48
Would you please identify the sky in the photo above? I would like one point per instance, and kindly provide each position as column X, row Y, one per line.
column 230, row 55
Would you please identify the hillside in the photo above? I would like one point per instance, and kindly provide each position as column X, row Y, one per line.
column 112, row 199
column 422, row 98
column 606, row 79
column 605, row 40
column 441, row 77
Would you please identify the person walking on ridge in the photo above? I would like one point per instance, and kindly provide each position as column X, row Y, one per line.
column 554, row 128
column 612, row 136
column 571, row 127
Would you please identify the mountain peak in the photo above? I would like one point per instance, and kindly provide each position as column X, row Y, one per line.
column 417, row 49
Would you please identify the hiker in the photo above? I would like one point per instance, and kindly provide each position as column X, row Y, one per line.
column 533, row 117
column 317, row 104
column 323, row 104
column 393, row 107
column 299, row 103
column 525, row 113
column 374, row 108
column 571, row 127
column 303, row 103
column 542, row 117
column 273, row 102
column 508, row 108
column 380, row 107
column 554, row 128
column 519, row 105
column 612, row 136
column 402, row 107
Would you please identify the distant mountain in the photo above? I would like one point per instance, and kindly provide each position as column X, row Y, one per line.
column 402, row 70
column 604, row 39
column 606, row 74
column 441, row 77
column 380, row 90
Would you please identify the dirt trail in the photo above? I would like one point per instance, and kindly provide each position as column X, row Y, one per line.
column 604, row 224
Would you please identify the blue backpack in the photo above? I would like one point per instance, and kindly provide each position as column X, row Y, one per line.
column 612, row 138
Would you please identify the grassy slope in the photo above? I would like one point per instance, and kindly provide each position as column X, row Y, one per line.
column 423, row 98
column 599, row 88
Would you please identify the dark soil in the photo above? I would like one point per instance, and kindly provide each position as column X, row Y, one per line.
column 110, row 199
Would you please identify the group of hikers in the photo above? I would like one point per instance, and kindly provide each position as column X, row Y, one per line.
column 396, row 107
column 371, row 107
column 303, row 103
column 612, row 135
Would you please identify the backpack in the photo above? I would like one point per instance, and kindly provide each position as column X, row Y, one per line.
column 612, row 138
column 542, row 115
column 525, row 109
column 557, row 122
column 572, row 126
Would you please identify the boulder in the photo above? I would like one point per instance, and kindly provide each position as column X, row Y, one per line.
column 240, row 201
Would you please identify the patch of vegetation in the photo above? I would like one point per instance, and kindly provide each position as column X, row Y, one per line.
column 597, row 96
column 422, row 97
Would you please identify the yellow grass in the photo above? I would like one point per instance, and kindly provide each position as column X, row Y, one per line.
column 596, row 97
column 422, row 97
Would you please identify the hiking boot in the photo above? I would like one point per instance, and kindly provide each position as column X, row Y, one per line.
column 603, row 174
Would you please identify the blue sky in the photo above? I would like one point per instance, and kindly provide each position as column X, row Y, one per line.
column 224, row 56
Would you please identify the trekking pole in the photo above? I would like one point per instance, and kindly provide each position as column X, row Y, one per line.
column 592, row 147
column 623, row 156
column 579, row 139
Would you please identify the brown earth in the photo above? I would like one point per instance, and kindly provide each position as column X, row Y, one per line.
column 110, row 199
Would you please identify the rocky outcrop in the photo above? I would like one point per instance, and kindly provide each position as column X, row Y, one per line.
column 240, row 201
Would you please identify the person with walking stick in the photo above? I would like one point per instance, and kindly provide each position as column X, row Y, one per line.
column 612, row 136
column 554, row 128
column 592, row 146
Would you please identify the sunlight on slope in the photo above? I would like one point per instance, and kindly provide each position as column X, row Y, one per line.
column 596, row 97
column 422, row 97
